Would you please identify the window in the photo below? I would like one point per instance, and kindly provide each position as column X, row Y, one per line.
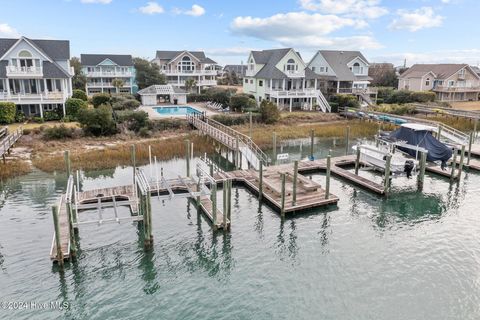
column 461, row 73
column 451, row 83
column 313, row 69
column 25, row 54
column 186, row 65
column 260, row 83
column 356, row 68
column 326, row 69
column 251, row 81
column 246, row 80
column 251, row 65
column 427, row 82
column 322, row 69
column 290, row 66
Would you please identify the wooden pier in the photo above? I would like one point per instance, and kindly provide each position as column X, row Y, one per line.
column 8, row 140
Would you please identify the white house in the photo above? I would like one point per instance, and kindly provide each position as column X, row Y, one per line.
column 281, row 76
column 35, row 74
column 180, row 66
column 342, row 72
column 157, row 94
column 102, row 69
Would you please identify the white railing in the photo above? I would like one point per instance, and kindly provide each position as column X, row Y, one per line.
column 105, row 84
column 32, row 96
column 24, row 71
column 291, row 93
column 120, row 74
column 295, row 73
column 197, row 83
column 188, row 72
column 457, row 88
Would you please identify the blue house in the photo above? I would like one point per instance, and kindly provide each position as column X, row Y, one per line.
column 102, row 69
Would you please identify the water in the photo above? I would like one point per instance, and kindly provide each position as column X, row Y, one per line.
column 175, row 111
column 412, row 256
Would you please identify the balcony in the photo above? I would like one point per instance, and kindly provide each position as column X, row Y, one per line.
column 24, row 72
column 302, row 93
column 470, row 88
column 105, row 84
column 189, row 72
column 358, row 90
column 181, row 83
column 295, row 73
column 54, row 97
column 109, row 74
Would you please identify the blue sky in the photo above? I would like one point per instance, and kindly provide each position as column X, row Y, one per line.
column 384, row 30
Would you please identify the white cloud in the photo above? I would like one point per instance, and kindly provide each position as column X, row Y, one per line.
column 301, row 29
column 418, row 19
column 470, row 56
column 370, row 9
column 8, row 31
column 195, row 11
column 151, row 8
column 96, row 1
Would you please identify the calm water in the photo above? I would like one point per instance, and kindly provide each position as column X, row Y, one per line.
column 175, row 111
column 412, row 256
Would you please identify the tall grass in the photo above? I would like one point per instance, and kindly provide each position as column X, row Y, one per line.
column 111, row 157
column 262, row 134
column 462, row 124
column 13, row 168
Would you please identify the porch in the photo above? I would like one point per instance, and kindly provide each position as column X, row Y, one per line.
column 38, row 110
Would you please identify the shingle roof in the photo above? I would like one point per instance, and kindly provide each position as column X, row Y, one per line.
column 170, row 55
column 95, row 59
column 441, row 71
column 338, row 61
column 55, row 49
column 270, row 58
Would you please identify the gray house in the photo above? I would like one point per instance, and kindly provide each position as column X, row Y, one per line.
column 35, row 74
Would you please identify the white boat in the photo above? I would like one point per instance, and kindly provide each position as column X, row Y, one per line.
column 376, row 157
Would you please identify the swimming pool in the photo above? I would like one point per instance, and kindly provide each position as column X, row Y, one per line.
column 175, row 110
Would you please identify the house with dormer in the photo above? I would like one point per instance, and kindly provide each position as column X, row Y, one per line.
column 182, row 66
column 281, row 76
column 35, row 74
column 342, row 72
column 450, row 82
column 101, row 69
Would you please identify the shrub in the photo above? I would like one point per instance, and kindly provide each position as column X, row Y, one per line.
column 124, row 102
column 194, row 97
column 242, row 101
column 52, row 115
column 134, row 120
column 144, row 132
column 422, row 96
column 79, row 94
column 346, row 101
column 20, row 116
column 38, row 120
column 98, row 121
column 384, row 92
column 74, row 105
column 8, row 110
column 168, row 124
column 398, row 109
column 333, row 106
column 100, row 98
column 60, row 132
column 26, row 132
column 269, row 112
column 399, row 96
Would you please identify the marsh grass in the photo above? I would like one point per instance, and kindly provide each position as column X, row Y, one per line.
column 462, row 124
column 120, row 155
column 262, row 134
column 14, row 168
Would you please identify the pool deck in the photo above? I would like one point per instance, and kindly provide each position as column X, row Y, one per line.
column 152, row 114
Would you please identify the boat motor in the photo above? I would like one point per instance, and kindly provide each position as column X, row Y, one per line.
column 408, row 168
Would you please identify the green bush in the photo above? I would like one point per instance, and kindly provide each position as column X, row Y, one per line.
column 38, row 119
column 26, row 132
column 74, row 105
column 346, row 101
column 98, row 121
column 52, row 115
column 100, row 98
column 8, row 110
column 20, row 116
column 422, row 96
column 60, row 132
column 398, row 109
column 168, row 124
column 134, row 120
column 124, row 102
column 144, row 132
column 333, row 106
column 385, row 92
column 79, row 94
column 399, row 96
column 242, row 101
column 269, row 112
column 194, row 97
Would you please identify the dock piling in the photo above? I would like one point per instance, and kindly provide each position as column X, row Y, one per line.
column 282, row 200
column 134, row 164
column 251, row 124
column 454, row 163
column 347, row 138
column 57, row 235
column 213, row 197
column 327, row 181
column 67, row 162
column 312, row 140
column 229, row 202
column 295, row 175
column 387, row 173
column 274, row 148
column 357, row 160
column 460, row 165
column 421, row 173
column 260, row 182
column 470, row 142
column 187, row 156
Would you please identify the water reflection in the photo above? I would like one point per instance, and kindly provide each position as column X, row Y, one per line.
column 287, row 241
column 96, row 174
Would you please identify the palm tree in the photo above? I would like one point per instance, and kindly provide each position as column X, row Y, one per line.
column 190, row 84
column 118, row 83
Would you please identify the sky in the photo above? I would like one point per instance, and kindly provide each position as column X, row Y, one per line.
column 420, row 31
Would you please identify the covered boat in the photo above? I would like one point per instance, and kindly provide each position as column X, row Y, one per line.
column 420, row 136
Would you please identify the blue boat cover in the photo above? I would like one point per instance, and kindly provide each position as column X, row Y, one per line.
column 424, row 139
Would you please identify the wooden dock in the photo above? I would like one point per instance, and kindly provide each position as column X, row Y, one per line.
column 64, row 232
column 8, row 140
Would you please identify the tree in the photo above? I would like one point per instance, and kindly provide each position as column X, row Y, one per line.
column 190, row 84
column 269, row 112
column 147, row 73
column 101, row 98
column 79, row 94
column 98, row 121
column 118, row 83
column 73, row 106
column 383, row 75
column 79, row 80
column 8, row 111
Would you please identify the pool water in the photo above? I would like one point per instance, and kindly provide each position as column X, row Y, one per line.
column 176, row 110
